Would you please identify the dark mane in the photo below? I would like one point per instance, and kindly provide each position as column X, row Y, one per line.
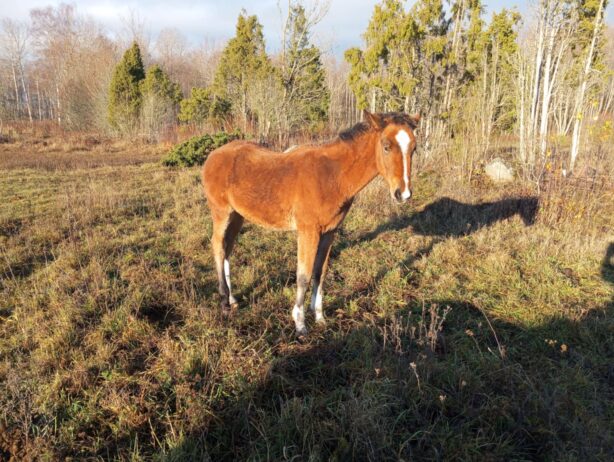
column 397, row 118
column 350, row 134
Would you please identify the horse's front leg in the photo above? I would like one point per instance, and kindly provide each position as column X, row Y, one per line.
column 319, row 271
column 307, row 248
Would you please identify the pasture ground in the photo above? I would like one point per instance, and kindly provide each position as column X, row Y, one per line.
column 476, row 323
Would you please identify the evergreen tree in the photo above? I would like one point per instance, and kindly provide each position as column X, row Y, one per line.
column 243, row 63
column 306, row 97
column 160, row 98
column 475, row 40
column 157, row 83
column 433, row 54
column 403, row 63
column 381, row 75
column 204, row 106
column 125, row 91
column 586, row 11
column 502, row 45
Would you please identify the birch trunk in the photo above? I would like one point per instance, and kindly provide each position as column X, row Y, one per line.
column 38, row 100
column 16, row 89
column 25, row 94
column 538, row 65
column 521, row 112
column 575, row 140
column 547, row 91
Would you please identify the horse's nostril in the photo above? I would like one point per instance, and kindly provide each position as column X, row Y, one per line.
column 397, row 194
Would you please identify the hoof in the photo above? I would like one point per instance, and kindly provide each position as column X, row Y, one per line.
column 301, row 334
column 227, row 314
column 321, row 321
column 226, row 310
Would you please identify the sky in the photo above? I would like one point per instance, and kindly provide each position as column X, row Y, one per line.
column 214, row 20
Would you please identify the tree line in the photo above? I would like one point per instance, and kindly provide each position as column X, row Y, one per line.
column 538, row 80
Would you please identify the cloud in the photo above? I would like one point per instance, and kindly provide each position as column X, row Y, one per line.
column 215, row 20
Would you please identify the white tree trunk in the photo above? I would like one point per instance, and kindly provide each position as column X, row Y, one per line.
column 25, row 93
column 521, row 111
column 575, row 139
column 16, row 88
column 547, row 91
column 543, row 19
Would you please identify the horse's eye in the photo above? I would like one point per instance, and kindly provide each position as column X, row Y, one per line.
column 386, row 147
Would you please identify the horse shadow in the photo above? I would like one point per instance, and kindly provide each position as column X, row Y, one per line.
column 446, row 217
column 442, row 219
column 379, row 392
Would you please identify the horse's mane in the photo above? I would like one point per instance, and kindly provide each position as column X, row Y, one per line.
column 350, row 134
column 398, row 118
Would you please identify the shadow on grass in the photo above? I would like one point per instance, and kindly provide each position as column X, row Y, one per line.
column 443, row 219
column 27, row 266
column 488, row 389
column 451, row 218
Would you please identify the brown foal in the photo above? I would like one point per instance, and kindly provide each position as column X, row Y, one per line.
column 309, row 190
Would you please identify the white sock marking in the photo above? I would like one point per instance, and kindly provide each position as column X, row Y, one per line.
column 404, row 140
column 231, row 299
column 298, row 314
column 316, row 303
column 227, row 272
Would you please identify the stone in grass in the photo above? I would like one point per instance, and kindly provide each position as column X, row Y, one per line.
column 498, row 172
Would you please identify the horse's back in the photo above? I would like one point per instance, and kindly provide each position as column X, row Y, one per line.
column 239, row 168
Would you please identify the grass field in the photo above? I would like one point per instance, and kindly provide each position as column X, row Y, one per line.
column 476, row 323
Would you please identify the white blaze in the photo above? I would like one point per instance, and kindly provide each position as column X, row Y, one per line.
column 404, row 140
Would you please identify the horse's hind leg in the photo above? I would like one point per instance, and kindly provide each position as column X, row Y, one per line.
column 235, row 223
column 226, row 226
column 319, row 271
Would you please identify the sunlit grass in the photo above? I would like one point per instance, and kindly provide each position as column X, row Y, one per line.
column 453, row 332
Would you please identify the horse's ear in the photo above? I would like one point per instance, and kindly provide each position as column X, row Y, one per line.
column 373, row 120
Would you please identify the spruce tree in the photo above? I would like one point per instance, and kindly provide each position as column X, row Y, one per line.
column 196, row 108
column 306, row 96
column 382, row 75
column 204, row 106
column 125, row 91
column 158, row 83
column 160, row 100
column 243, row 63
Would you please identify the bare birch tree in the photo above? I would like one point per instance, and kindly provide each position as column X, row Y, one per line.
column 14, row 38
column 580, row 99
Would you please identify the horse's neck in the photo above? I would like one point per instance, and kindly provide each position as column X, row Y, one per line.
column 359, row 165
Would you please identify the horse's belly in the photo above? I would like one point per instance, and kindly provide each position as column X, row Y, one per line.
column 266, row 215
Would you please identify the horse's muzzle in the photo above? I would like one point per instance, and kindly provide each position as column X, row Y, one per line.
column 402, row 197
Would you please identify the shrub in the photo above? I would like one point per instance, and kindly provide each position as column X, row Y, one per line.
column 195, row 150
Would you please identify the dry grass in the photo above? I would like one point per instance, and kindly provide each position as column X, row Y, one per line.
column 475, row 324
column 39, row 147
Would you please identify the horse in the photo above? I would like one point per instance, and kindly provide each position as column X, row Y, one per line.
column 308, row 190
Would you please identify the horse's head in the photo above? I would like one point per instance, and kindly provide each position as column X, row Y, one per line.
column 394, row 150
